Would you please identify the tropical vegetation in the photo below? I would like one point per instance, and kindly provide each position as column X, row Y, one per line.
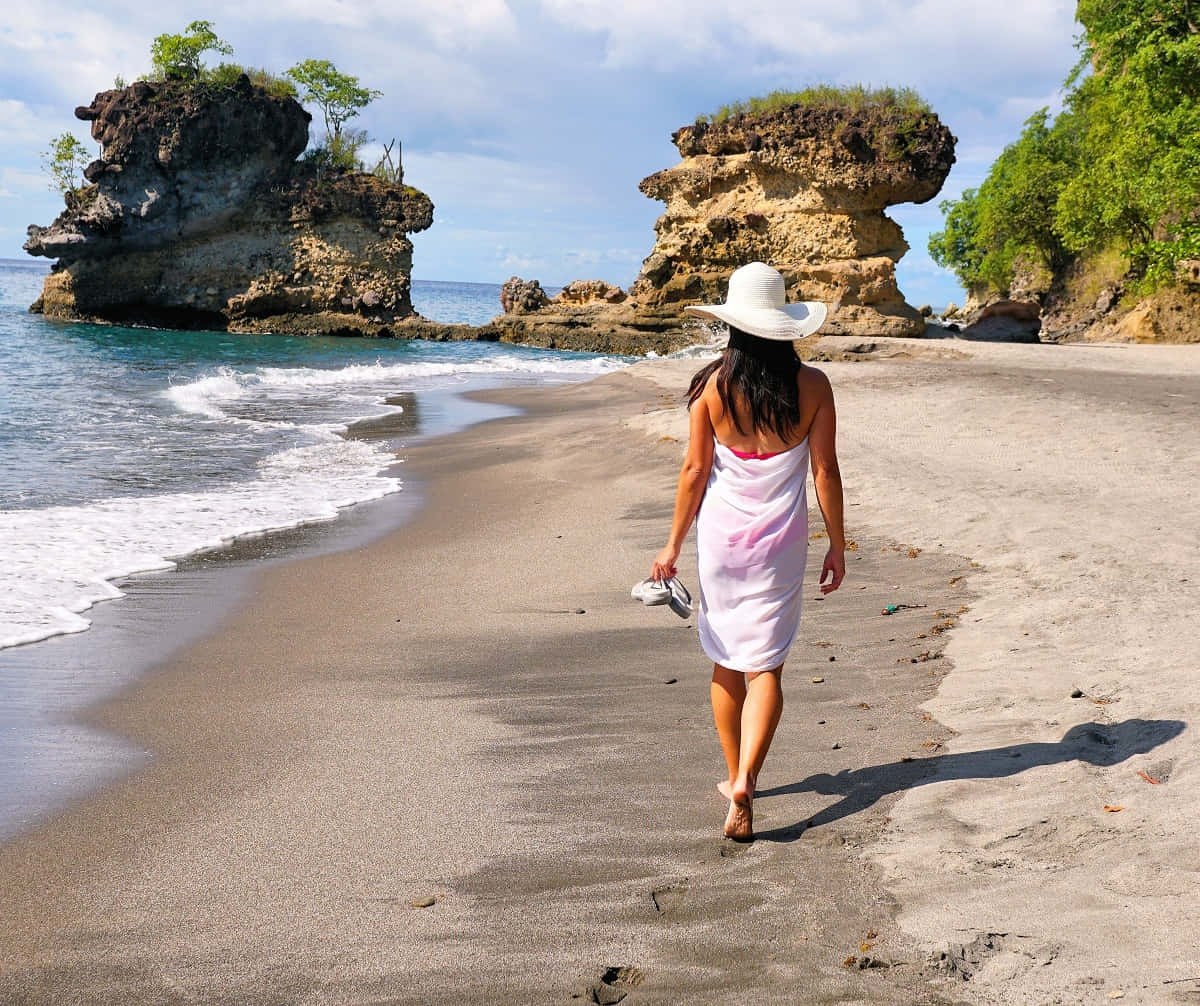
column 181, row 57
column 1116, row 172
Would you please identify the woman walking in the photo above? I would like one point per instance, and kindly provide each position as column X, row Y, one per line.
column 757, row 417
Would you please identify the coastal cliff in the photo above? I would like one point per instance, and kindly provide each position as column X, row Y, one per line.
column 803, row 188
column 199, row 215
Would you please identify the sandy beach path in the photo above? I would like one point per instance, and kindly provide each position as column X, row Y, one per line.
column 473, row 710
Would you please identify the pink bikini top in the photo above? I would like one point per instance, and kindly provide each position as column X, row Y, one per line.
column 751, row 456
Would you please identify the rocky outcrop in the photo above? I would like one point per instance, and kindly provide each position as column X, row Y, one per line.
column 590, row 291
column 587, row 315
column 595, row 328
column 803, row 189
column 520, row 296
column 200, row 215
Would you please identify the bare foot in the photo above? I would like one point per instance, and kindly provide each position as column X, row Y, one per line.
column 742, row 790
column 725, row 788
column 739, row 822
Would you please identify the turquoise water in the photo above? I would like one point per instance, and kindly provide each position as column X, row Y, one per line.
column 124, row 449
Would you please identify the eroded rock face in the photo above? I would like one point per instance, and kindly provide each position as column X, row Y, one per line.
column 199, row 215
column 803, row 189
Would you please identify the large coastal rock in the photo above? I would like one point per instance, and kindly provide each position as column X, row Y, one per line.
column 200, row 215
column 803, row 189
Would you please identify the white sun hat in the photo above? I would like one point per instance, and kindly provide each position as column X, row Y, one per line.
column 757, row 303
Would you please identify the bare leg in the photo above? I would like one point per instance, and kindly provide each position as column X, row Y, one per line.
column 728, row 691
column 761, row 710
column 760, row 716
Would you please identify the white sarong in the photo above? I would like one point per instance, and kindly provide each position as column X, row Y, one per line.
column 751, row 546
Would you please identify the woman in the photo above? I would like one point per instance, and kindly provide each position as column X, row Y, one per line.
column 757, row 417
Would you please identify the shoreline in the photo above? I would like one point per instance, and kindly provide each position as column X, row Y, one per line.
column 56, row 759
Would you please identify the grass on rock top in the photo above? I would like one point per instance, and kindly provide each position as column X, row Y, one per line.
column 855, row 97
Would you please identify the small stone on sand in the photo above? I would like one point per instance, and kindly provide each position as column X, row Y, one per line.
column 817, row 681
column 424, row 902
column 670, row 681
column 1076, row 693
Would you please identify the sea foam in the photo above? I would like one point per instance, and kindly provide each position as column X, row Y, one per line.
column 58, row 561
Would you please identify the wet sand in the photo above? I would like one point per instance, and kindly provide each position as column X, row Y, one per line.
column 473, row 710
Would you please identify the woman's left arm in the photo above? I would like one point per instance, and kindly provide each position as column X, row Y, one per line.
column 693, row 479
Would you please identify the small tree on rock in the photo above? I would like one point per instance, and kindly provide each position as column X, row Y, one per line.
column 340, row 97
column 64, row 163
column 180, row 55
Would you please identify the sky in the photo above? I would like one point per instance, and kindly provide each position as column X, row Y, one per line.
column 530, row 124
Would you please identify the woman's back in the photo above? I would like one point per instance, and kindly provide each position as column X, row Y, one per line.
column 734, row 428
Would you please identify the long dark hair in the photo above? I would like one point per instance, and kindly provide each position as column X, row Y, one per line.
column 761, row 374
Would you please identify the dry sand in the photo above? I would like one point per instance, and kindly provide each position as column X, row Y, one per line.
column 473, row 710
column 1071, row 474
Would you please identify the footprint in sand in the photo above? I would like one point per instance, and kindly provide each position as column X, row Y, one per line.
column 668, row 898
column 614, row 985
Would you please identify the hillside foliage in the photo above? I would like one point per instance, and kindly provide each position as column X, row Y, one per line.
column 1117, row 170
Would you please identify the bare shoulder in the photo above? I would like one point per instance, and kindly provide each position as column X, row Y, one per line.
column 813, row 381
column 710, row 395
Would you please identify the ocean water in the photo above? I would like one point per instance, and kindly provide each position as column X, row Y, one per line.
column 122, row 450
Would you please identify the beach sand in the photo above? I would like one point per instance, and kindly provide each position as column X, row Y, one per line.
column 472, row 709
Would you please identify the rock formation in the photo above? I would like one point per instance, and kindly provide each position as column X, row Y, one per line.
column 519, row 295
column 200, row 215
column 591, row 291
column 803, row 189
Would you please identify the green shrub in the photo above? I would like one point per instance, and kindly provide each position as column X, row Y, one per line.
column 228, row 74
column 855, row 97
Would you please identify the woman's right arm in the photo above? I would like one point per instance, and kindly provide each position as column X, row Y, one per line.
column 693, row 480
column 827, row 477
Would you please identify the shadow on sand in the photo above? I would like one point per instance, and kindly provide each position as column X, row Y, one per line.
column 1094, row 743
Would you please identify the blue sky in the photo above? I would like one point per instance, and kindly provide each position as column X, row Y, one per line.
column 531, row 123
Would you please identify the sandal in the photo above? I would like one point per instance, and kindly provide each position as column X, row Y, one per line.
column 651, row 592
column 680, row 600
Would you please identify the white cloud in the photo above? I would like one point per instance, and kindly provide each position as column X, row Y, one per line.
column 906, row 41
column 19, row 182
column 492, row 184
column 448, row 23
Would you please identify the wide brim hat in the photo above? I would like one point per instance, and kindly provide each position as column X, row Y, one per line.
column 757, row 303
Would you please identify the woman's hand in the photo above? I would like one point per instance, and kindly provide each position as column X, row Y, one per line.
column 834, row 567
column 663, row 567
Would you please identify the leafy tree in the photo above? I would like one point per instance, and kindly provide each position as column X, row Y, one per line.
column 1011, row 215
column 180, row 55
column 1119, row 169
column 64, row 163
column 1138, row 183
column 957, row 246
column 339, row 96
